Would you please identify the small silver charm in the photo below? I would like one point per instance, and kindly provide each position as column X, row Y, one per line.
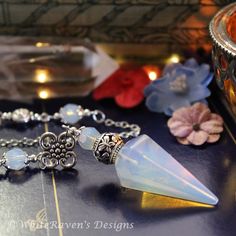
column 107, row 147
column 57, row 150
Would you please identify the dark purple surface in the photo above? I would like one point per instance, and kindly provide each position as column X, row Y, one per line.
column 91, row 191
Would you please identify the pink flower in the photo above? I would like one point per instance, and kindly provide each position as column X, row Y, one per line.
column 195, row 125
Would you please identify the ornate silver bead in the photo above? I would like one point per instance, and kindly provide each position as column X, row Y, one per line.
column 21, row 115
column 106, row 147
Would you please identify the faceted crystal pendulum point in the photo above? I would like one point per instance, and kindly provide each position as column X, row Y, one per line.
column 143, row 165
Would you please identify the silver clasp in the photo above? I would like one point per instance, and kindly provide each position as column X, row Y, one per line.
column 73, row 131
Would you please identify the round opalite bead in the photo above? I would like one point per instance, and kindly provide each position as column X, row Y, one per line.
column 15, row 159
column 87, row 137
column 70, row 113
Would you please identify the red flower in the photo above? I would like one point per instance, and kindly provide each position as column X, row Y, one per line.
column 125, row 85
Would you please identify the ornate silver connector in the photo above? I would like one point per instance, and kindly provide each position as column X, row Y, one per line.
column 57, row 150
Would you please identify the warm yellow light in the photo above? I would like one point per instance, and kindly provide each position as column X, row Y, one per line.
column 173, row 59
column 41, row 44
column 154, row 201
column 31, row 60
column 41, row 75
column 152, row 75
column 226, row 162
column 44, row 94
column 70, row 113
column 153, row 72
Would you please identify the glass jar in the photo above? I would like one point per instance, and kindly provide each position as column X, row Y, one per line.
column 223, row 33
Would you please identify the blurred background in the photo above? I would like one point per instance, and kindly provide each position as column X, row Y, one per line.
column 128, row 30
column 56, row 48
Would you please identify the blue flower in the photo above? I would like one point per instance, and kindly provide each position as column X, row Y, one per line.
column 180, row 85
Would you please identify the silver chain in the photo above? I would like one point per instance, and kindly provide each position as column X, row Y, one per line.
column 23, row 115
column 25, row 142
column 100, row 118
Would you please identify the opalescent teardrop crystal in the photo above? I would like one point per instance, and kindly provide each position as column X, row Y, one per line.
column 143, row 165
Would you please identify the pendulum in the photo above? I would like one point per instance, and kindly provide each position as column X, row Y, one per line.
column 140, row 164
column 143, row 165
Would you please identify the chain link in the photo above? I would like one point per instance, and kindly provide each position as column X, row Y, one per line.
column 25, row 142
column 134, row 130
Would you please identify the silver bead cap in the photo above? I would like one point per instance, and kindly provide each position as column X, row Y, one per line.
column 107, row 147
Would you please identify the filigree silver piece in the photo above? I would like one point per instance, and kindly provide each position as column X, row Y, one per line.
column 107, row 147
column 57, row 150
